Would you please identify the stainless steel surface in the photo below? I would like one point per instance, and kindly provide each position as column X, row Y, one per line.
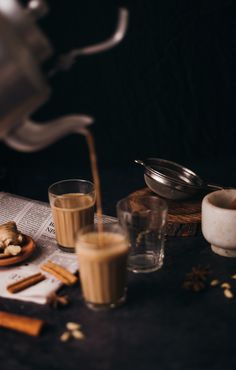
column 23, row 87
column 67, row 60
column 171, row 180
column 23, row 48
column 22, row 26
column 37, row 8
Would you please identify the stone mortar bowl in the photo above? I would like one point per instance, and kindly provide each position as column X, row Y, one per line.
column 219, row 221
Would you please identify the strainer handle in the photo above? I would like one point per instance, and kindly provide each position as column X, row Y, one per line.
column 217, row 187
column 139, row 161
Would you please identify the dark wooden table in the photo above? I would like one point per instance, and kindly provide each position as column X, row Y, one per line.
column 161, row 326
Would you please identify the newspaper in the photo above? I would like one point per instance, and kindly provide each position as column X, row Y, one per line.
column 34, row 218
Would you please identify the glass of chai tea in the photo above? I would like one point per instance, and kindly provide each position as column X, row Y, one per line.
column 102, row 255
column 72, row 203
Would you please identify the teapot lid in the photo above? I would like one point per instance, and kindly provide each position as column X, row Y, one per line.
column 23, row 48
column 22, row 22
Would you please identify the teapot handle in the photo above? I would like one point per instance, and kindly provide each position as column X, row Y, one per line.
column 32, row 136
column 65, row 61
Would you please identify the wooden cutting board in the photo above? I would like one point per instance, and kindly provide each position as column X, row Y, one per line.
column 184, row 217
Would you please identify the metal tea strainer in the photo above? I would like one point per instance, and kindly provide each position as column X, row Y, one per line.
column 171, row 180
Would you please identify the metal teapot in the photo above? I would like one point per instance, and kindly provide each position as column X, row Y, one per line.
column 23, row 87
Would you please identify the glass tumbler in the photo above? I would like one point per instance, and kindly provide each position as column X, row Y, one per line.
column 102, row 255
column 144, row 219
column 72, row 203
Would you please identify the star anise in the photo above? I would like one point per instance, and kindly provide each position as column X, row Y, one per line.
column 195, row 286
column 196, row 279
column 198, row 273
column 56, row 300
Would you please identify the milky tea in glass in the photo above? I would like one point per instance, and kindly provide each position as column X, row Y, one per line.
column 102, row 265
column 72, row 204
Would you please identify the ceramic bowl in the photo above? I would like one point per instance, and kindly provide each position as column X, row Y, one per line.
column 219, row 221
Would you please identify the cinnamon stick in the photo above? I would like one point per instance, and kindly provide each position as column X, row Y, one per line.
column 56, row 274
column 59, row 272
column 25, row 283
column 20, row 323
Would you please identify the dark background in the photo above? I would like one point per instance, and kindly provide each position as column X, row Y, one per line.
column 168, row 90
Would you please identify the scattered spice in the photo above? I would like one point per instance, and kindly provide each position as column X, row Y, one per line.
column 214, row 282
column 57, row 301
column 74, row 331
column 196, row 279
column 199, row 273
column 228, row 293
column 225, row 286
column 65, row 336
column 195, row 286
column 77, row 334
column 73, row 326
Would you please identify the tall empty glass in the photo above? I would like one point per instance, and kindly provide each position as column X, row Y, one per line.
column 144, row 219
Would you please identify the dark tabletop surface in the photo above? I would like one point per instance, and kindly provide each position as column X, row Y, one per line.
column 161, row 326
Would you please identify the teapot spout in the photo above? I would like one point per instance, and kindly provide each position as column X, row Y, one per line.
column 32, row 136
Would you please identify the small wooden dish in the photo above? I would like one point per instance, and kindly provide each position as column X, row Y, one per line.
column 27, row 249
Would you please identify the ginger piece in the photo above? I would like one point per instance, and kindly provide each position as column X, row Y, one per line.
column 9, row 235
column 12, row 250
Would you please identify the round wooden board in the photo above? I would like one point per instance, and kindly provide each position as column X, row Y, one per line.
column 184, row 217
column 27, row 249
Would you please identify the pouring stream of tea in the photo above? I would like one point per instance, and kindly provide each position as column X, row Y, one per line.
column 96, row 178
